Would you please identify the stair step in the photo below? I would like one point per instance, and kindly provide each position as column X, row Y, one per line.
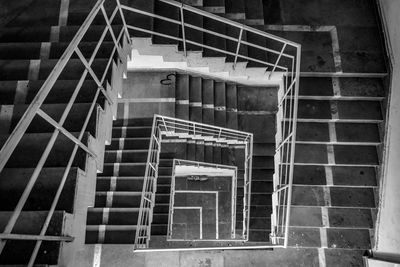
column 339, row 196
column 139, row 122
column 131, row 131
column 115, row 216
column 129, row 143
column 121, row 183
column 36, row 143
column 61, row 92
column 118, row 199
column 220, row 104
column 182, row 97
column 195, row 100
column 43, row 191
column 19, row 69
column 165, row 27
column 17, row 34
column 73, row 123
column 21, row 51
column 231, row 106
column 124, row 169
column 30, row 222
column 127, row 156
column 213, row 40
column 349, row 175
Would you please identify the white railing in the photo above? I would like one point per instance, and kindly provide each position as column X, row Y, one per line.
column 121, row 42
column 171, row 127
column 216, row 167
column 283, row 57
column 285, row 155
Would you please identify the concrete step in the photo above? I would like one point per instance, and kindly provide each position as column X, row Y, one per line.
column 110, row 234
column 36, row 143
column 134, row 122
column 17, row 34
column 256, row 53
column 192, row 34
column 120, row 183
column 336, row 238
column 208, row 101
column 129, row 143
column 182, row 97
column 61, row 92
column 115, row 216
column 32, row 50
column 165, row 27
column 124, row 169
column 35, row 15
column 43, row 191
column 131, row 132
column 339, row 196
column 220, row 104
column 195, row 99
column 125, row 156
column 30, row 222
column 231, row 106
column 73, row 123
column 348, row 86
column 118, row 199
column 343, row 154
column 262, row 126
column 323, row 109
column 212, row 40
column 20, row 69
column 257, row 98
column 254, row 12
column 340, row 175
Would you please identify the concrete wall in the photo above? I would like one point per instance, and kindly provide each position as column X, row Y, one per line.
column 387, row 245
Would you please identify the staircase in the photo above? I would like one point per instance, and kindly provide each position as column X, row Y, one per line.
column 62, row 109
column 340, row 123
column 201, row 99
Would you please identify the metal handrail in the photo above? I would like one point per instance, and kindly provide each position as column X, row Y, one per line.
column 241, row 27
column 167, row 126
column 35, row 109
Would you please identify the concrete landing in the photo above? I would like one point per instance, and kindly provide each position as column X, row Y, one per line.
column 122, row 256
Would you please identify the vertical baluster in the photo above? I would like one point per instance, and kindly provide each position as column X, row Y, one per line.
column 238, row 47
column 183, row 31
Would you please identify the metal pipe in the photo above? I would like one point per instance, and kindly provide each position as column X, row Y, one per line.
column 238, row 47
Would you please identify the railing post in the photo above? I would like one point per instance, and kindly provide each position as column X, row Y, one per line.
column 183, row 30
column 277, row 61
column 238, row 47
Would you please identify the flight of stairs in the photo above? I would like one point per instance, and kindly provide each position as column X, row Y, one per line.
column 340, row 121
column 200, row 99
column 31, row 42
column 340, row 127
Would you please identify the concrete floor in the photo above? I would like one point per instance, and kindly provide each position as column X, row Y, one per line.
column 228, row 258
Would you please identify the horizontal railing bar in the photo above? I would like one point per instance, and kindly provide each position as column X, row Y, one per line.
column 229, row 22
column 267, row 49
column 207, row 31
column 154, row 33
column 202, row 124
column 65, row 132
column 206, row 46
column 36, row 237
